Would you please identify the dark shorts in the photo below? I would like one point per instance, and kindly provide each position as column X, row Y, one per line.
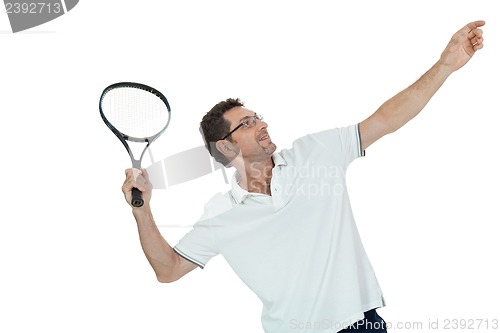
column 372, row 323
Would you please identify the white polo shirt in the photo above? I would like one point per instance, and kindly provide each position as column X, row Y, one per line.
column 299, row 249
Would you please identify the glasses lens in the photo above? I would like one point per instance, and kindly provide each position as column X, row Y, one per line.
column 250, row 122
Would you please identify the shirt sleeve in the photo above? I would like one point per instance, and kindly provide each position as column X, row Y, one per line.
column 198, row 245
column 339, row 146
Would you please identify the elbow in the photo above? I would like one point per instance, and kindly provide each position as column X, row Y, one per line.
column 163, row 279
column 166, row 278
column 170, row 276
column 167, row 272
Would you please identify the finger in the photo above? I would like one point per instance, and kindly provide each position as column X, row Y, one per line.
column 136, row 172
column 141, row 180
column 131, row 178
column 476, row 40
column 476, row 33
column 478, row 46
column 132, row 172
column 128, row 184
column 127, row 187
column 145, row 174
column 473, row 25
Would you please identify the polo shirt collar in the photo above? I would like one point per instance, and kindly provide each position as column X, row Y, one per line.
column 240, row 194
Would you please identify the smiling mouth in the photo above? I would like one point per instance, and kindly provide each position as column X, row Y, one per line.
column 265, row 137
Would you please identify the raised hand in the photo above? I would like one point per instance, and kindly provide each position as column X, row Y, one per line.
column 463, row 45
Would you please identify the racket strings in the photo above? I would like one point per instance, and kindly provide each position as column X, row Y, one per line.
column 135, row 112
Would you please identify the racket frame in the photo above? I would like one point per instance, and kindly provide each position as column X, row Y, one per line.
column 136, row 163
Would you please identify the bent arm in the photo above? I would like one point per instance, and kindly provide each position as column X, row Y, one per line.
column 166, row 263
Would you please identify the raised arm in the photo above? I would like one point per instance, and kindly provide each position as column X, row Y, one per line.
column 166, row 263
column 404, row 106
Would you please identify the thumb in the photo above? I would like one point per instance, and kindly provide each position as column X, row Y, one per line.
column 145, row 174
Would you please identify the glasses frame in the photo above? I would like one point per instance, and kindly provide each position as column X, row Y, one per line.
column 244, row 124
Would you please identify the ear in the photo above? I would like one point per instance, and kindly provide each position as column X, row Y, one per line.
column 227, row 149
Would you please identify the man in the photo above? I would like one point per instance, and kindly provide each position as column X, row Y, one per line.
column 286, row 226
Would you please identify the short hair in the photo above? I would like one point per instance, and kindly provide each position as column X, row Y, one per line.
column 214, row 127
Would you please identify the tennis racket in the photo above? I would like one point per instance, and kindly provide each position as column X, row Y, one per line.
column 137, row 114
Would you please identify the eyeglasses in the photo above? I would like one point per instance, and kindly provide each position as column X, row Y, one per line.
column 247, row 122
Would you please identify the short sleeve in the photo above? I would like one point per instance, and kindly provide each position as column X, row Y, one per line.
column 198, row 245
column 339, row 146
column 349, row 143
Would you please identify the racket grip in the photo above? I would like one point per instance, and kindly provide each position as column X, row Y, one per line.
column 137, row 200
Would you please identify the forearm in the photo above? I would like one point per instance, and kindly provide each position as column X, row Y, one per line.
column 159, row 253
column 405, row 105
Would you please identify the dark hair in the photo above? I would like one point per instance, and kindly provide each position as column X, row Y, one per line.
column 213, row 127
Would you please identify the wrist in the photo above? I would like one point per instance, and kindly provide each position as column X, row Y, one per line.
column 446, row 64
column 141, row 212
column 441, row 71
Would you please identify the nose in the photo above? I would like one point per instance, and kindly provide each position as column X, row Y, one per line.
column 261, row 124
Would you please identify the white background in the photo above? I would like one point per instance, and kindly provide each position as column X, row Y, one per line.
column 425, row 198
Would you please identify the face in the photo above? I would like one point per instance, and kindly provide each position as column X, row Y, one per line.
column 254, row 142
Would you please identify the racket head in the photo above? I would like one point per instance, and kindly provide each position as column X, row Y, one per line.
column 134, row 111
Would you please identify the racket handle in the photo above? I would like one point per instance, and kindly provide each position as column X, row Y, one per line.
column 137, row 198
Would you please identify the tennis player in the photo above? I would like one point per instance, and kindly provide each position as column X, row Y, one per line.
column 286, row 226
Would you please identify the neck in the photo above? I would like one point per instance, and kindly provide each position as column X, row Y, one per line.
column 256, row 176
